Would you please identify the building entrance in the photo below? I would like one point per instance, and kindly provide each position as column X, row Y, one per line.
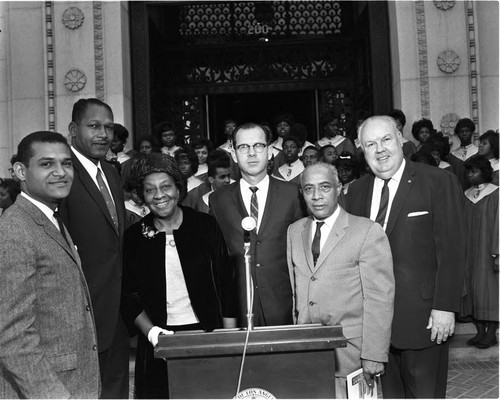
column 199, row 63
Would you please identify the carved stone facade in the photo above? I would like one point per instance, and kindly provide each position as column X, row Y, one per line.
column 72, row 18
column 448, row 61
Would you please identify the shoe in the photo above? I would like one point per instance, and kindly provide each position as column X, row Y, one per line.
column 492, row 342
column 472, row 341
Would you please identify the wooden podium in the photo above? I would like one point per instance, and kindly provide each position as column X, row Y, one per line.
column 292, row 361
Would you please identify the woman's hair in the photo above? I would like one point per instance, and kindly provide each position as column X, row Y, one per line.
column 492, row 137
column 482, row 164
column 200, row 143
column 423, row 123
column 465, row 123
column 347, row 160
column 12, row 186
column 158, row 162
column 398, row 115
column 190, row 154
column 284, row 117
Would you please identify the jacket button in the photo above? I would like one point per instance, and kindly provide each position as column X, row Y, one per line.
column 311, row 303
column 87, row 308
column 94, row 347
column 313, row 278
column 257, row 265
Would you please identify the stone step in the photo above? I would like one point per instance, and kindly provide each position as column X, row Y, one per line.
column 460, row 351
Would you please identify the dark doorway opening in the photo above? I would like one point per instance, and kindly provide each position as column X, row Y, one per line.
column 259, row 107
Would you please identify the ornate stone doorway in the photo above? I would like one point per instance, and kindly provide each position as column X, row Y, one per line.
column 198, row 63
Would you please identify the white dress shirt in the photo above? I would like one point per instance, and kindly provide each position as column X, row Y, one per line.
column 325, row 228
column 393, row 185
column 91, row 168
column 49, row 213
column 246, row 194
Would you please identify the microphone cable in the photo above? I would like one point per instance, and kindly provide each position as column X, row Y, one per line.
column 245, row 346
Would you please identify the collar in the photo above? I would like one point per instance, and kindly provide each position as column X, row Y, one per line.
column 494, row 163
column 49, row 213
column 87, row 163
column 263, row 184
column 329, row 221
column 397, row 176
column 479, row 192
column 278, row 143
column 294, row 164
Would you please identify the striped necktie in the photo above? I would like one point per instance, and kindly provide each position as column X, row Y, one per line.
column 254, row 204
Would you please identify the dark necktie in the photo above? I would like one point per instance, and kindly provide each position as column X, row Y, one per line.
column 254, row 204
column 107, row 198
column 57, row 217
column 315, row 248
column 384, row 203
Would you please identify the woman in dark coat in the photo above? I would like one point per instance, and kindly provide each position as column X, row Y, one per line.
column 177, row 274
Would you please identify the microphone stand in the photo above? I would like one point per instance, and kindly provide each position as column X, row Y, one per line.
column 248, row 282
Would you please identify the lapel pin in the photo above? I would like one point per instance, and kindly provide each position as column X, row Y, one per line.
column 409, row 180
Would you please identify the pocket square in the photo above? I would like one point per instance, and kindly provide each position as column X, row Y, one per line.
column 417, row 213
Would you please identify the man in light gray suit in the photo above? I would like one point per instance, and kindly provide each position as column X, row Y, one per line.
column 341, row 272
column 48, row 343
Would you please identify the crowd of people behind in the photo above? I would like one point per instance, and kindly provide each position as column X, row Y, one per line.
column 174, row 194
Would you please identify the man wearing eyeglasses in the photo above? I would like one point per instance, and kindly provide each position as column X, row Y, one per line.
column 341, row 271
column 274, row 205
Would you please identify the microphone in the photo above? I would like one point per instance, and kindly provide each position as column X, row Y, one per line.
column 248, row 224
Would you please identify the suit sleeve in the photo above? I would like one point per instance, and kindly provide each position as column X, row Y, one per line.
column 290, row 270
column 224, row 271
column 377, row 281
column 22, row 360
column 131, row 302
column 449, row 238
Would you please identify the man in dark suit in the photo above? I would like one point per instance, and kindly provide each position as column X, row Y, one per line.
column 420, row 208
column 48, row 343
column 94, row 213
column 274, row 205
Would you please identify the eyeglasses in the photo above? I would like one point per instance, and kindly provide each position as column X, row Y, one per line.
column 309, row 190
column 245, row 148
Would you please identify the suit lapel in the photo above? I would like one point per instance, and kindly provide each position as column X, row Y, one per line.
column 89, row 185
column 115, row 188
column 41, row 219
column 272, row 196
column 407, row 180
column 368, row 193
column 336, row 233
column 238, row 200
column 306, row 243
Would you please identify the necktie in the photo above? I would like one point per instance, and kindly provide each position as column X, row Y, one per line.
column 315, row 248
column 57, row 217
column 254, row 204
column 384, row 203
column 107, row 198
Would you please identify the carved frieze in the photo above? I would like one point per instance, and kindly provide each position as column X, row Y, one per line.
column 448, row 61
column 72, row 18
column 444, row 5
column 75, row 80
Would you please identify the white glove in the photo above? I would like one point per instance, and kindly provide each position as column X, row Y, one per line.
column 156, row 331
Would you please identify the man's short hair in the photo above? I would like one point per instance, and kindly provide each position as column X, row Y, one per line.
column 250, row 125
column 25, row 147
column 120, row 132
column 311, row 147
column 218, row 163
column 391, row 121
column 320, row 164
column 465, row 123
column 291, row 138
column 81, row 106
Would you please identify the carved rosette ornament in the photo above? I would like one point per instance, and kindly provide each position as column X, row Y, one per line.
column 448, row 61
column 444, row 5
column 75, row 80
column 72, row 18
